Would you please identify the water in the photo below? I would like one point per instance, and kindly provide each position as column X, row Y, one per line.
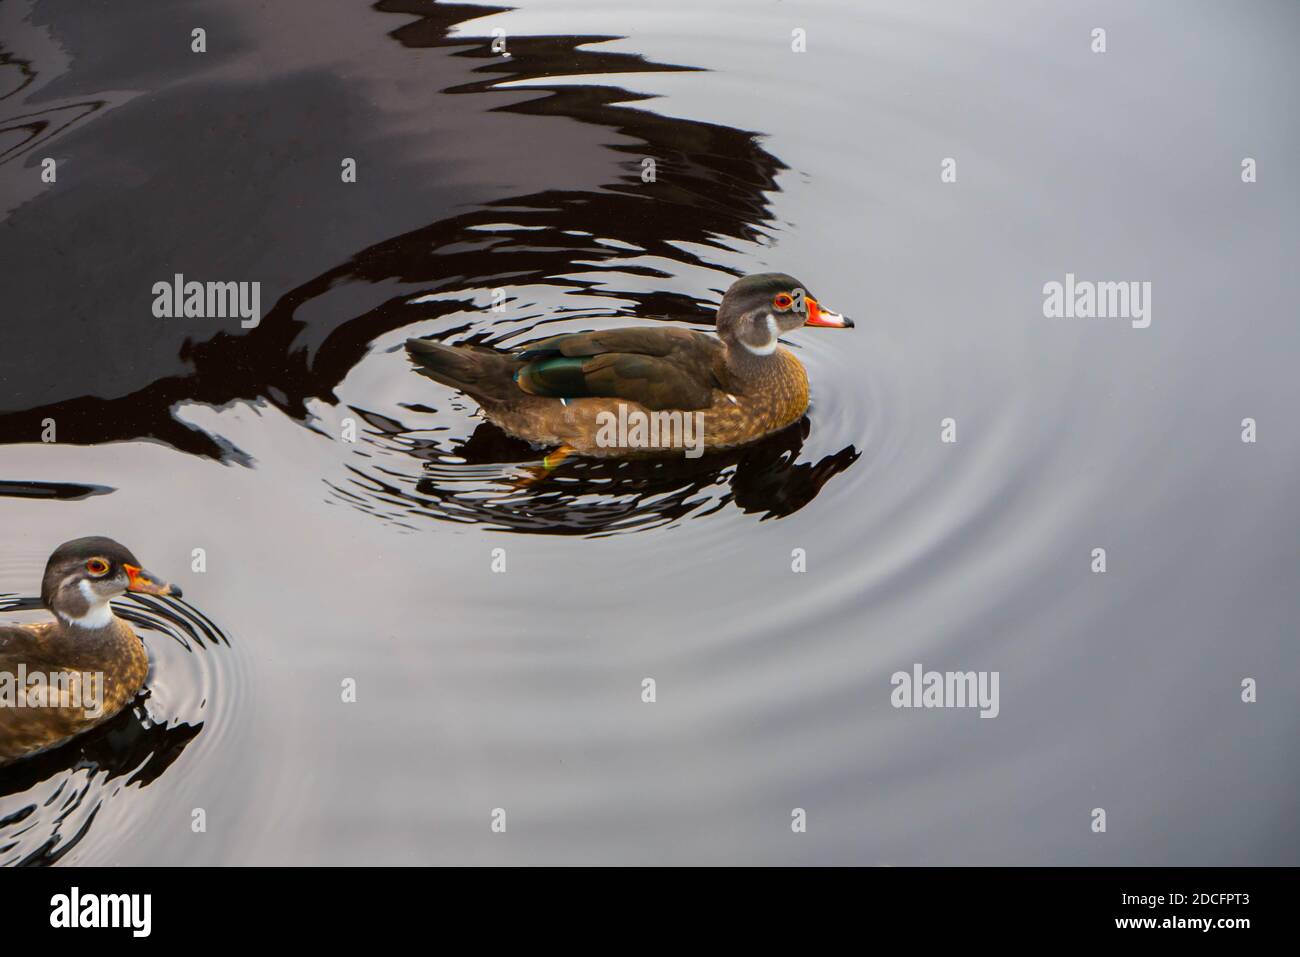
column 372, row 561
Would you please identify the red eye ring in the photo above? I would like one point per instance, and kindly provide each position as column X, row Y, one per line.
column 783, row 301
column 97, row 566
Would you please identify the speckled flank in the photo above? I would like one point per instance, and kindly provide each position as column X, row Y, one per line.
column 771, row 400
column 115, row 652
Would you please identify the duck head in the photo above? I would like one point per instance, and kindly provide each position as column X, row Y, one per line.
column 758, row 309
column 83, row 574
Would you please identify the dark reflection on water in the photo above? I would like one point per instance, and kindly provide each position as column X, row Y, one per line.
column 712, row 184
column 58, row 490
column 49, row 801
column 584, row 497
column 637, row 238
column 131, row 744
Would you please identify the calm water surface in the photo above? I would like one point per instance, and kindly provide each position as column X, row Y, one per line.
column 372, row 561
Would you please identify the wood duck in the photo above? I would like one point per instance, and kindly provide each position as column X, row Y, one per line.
column 570, row 392
column 62, row 677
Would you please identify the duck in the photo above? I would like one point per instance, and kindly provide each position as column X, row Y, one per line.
column 62, row 677
column 586, row 393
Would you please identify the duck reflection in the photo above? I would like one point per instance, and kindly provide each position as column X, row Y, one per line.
column 130, row 745
column 477, row 480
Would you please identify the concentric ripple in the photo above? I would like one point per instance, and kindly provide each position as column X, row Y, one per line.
column 49, row 802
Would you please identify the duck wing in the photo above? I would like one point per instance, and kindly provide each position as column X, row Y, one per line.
column 18, row 641
column 657, row 368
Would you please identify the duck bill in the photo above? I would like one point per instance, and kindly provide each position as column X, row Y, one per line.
column 817, row 316
column 146, row 584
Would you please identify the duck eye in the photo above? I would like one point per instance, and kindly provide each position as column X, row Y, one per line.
column 97, row 566
column 783, row 301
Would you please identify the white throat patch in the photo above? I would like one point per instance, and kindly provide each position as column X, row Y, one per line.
column 99, row 615
column 767, row 348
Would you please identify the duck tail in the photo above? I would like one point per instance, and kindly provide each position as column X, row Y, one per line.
column 485, row 374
